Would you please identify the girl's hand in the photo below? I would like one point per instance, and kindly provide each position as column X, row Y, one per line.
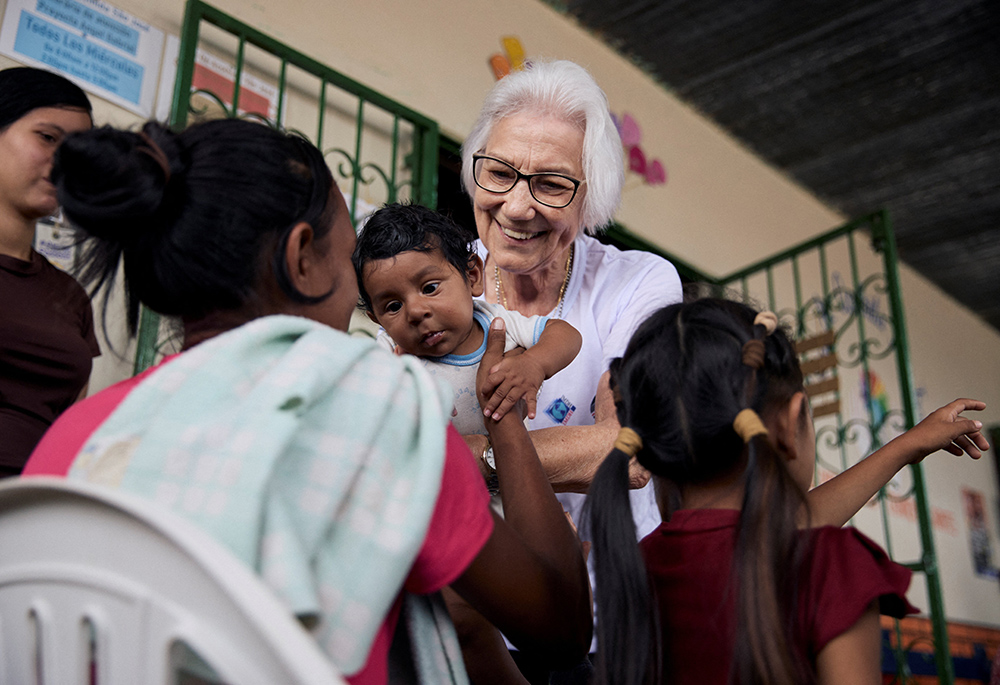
column 945, row 429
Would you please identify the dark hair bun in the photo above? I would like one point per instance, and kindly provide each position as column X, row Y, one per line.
column 114, row 184
column 194, row 216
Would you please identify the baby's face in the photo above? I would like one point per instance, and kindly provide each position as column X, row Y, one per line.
column 424, row 303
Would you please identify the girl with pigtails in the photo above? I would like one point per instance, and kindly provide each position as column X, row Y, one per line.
column 739, row 584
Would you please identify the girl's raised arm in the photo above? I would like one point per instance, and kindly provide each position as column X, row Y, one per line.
column 834, row 502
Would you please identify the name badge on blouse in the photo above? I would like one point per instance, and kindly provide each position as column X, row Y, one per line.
column 560, row 410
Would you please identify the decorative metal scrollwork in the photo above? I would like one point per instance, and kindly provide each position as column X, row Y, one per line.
column 841, row 309
column 815, row 308
column 349, row 167
column 202, row 111
column 838, row 438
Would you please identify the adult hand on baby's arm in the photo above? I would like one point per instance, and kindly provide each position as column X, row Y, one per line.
column 945, row 429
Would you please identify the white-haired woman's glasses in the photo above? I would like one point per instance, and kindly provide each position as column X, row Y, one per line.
column 548, row 188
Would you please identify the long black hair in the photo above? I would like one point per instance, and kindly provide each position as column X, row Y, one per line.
column 196, row 216
column 23, row 89
column 680, row 385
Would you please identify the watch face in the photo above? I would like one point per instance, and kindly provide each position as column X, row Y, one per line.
column 489, row 459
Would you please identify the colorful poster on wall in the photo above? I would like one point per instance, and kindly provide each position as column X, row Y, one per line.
column 876, row 397
column 218, row 76
column 107, row 51
column 979, row 536
column 215, row 75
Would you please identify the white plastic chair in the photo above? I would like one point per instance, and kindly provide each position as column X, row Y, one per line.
column 101, row 588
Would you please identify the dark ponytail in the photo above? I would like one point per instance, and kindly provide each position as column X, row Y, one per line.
column 766, row 566
column 197, row 217
column 768, row 557
column 680, row 385
column 627, row 623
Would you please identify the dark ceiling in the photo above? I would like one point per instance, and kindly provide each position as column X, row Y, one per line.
column 870, row 105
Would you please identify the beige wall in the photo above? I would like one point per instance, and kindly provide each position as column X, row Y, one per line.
column 722, row 208
column 955, row 354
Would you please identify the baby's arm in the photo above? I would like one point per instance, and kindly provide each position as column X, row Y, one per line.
column 521, row 376
column 833, row 503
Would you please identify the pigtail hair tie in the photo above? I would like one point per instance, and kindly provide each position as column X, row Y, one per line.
column 628, row 441
column 768, row 320
column 753, row 349
column 753, row 353
column 747, row 425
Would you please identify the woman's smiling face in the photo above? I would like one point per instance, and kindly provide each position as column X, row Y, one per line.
column 522, row 235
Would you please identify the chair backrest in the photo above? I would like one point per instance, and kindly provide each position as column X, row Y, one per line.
column 99, row 587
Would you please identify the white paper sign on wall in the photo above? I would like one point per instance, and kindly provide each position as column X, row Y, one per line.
column 106, row 51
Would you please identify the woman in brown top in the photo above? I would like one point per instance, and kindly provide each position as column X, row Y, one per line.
column 46, row 326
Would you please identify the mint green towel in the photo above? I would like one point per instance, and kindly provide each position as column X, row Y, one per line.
column 314, row 456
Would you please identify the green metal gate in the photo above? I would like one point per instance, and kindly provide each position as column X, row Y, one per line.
column 379, row 150
column 844, row 285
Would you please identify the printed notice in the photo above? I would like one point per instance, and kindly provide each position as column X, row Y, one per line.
column 105, row 50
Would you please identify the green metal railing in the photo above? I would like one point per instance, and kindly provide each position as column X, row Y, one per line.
column 411, row 138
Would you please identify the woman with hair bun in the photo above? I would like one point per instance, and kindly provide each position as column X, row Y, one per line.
column 47, row 337
column 325, row 463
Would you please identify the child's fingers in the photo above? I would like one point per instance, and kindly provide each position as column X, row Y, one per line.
column 491, row 385
column 965, row 404
column 970, row 438
column 980, row 440
column 505, row 406
column 496, row 400
column 952, row 448
column 968, row 446
column 973, row 432
column 509, row 354
column 531, row 402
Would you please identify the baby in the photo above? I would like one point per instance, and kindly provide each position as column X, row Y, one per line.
column 418, row 277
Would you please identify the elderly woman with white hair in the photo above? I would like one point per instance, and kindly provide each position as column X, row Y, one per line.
column 543, row 166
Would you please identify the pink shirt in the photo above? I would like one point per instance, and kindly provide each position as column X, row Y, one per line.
column 459, row 527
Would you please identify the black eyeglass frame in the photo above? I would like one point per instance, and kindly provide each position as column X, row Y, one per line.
column 527, row 178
